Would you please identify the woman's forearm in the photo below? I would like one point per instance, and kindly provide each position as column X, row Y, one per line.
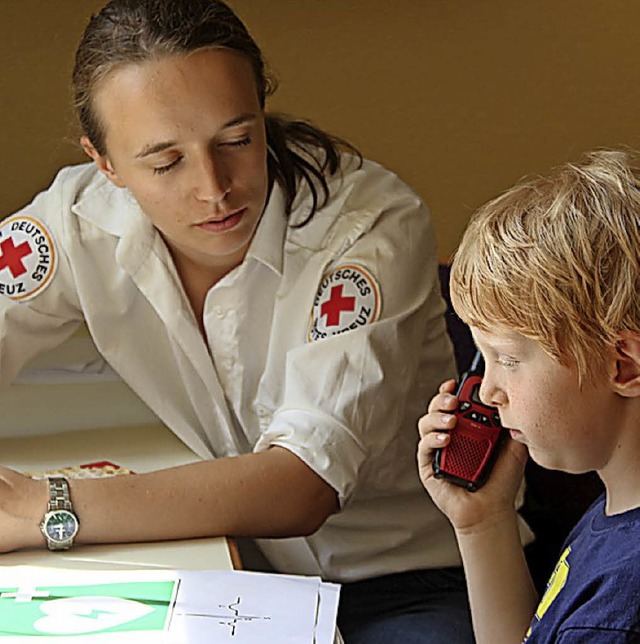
column 268, row 494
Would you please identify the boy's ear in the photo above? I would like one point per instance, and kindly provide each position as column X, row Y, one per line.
column 627, row 376
column 103, row 163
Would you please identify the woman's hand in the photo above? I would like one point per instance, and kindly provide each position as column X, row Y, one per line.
column 23, row 503
column 467, row 510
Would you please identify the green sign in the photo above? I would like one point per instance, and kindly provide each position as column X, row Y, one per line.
column 86, row 608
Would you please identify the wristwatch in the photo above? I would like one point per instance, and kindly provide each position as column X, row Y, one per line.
column 60, row 524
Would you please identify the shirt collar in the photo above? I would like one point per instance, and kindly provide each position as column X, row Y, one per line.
column 267, row 245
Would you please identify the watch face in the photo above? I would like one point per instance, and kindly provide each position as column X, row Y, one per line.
column 60, row 525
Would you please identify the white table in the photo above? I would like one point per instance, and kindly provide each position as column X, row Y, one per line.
column 138, row 448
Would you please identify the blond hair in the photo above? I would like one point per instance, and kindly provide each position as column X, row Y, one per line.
column 557, row 259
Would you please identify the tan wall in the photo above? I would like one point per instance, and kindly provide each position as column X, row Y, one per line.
column 459, row 97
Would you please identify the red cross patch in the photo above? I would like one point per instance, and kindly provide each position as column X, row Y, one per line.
column 348, row 297
column 27, row 257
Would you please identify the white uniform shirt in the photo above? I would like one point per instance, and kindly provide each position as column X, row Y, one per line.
column 346, row 404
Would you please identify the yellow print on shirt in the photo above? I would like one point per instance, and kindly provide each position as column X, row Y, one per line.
column 555, row 585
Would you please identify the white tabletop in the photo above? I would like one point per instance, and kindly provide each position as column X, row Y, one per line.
column 139, row 448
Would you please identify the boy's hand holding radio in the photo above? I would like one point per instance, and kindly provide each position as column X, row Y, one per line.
column 487, row 503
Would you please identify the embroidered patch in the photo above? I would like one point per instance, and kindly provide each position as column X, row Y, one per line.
column 347, row 298
column 27, row 257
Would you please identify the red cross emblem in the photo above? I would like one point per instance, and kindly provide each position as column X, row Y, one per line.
column 11, row 256
column 336, row 304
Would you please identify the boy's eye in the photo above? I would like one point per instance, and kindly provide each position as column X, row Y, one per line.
column 505, row 361
column 165, row 168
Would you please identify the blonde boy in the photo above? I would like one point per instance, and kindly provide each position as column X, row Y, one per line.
column 548, row 278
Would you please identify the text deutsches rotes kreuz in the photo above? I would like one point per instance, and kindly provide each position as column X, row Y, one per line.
column 347, row 298
column 27, row 257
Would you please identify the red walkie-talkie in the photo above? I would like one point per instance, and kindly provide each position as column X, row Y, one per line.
column 475, row 440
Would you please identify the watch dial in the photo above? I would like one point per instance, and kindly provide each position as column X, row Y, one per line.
column 61, row 525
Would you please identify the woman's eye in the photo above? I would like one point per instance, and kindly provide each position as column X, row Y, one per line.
column 165, row 168
column 238, row 143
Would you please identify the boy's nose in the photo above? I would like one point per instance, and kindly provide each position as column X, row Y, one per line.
column 489, row 393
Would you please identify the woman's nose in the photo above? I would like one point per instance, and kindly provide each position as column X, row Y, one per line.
column 212, row 183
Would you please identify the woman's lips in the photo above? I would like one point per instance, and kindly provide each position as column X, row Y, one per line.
column 223, row 224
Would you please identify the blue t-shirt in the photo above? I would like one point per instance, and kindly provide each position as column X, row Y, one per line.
column 593, row 595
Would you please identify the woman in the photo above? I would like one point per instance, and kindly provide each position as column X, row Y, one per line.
column 267, row 278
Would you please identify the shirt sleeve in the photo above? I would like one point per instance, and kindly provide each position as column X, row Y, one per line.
column 36, row 319
column 352, row 399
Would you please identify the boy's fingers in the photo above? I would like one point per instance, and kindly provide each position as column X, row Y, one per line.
column 443, row 401
column 435, row 421
column 447, row 387
column 436, row 440
column 429, row 443
column 437, row 416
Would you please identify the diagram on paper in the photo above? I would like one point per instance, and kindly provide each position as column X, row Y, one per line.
column 231, row 619
column 246, row 608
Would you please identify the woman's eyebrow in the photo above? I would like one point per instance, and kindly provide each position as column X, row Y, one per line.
column 153, row 148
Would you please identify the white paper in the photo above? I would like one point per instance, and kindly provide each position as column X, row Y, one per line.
column 235, row 606
column 189, row 607
column 327, row 614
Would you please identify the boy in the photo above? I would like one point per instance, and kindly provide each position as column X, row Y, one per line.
column 548, row 278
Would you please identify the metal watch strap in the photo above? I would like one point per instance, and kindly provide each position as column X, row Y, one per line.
column 59, row 497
